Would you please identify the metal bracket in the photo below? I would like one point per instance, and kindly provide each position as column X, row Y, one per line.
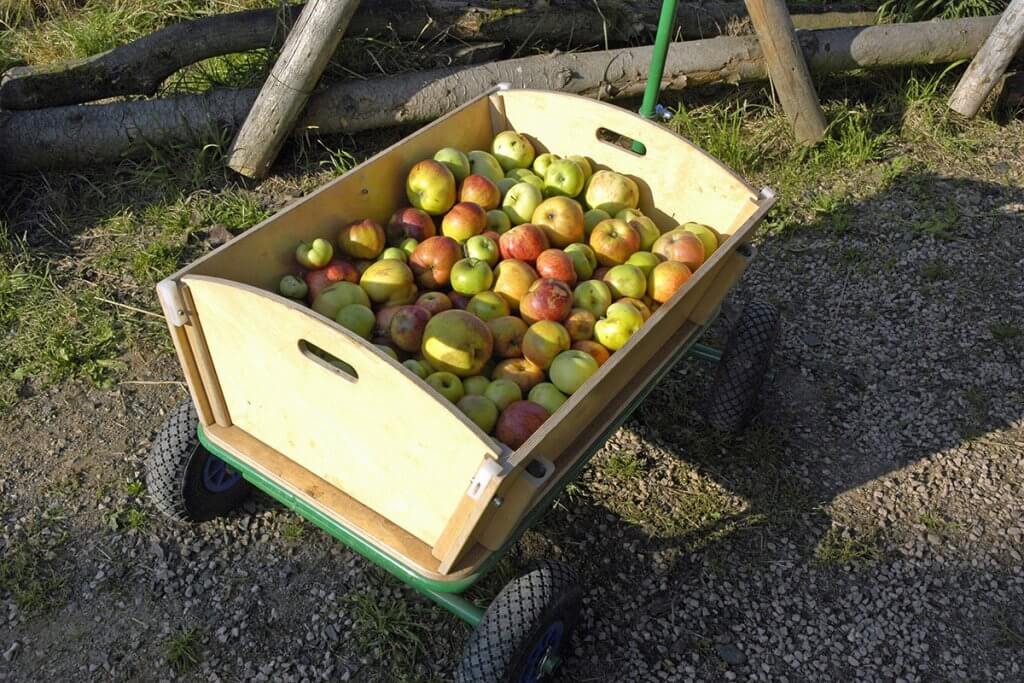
column 171, row 301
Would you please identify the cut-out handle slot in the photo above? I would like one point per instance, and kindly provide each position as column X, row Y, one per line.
column 328, row 361
column 625, row 142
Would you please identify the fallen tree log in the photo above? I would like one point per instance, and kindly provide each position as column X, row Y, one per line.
column 91, row 134
column 139, row 67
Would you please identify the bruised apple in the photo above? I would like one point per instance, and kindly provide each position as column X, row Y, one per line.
column 580, row 324
column 407, row 326
column 410, row 222
column 432, row 261
column 382, row 321
column 518, row 422
column 546, row 299
column 512, row 280
column 508, row 332
column 457, row 342
column 434, row 302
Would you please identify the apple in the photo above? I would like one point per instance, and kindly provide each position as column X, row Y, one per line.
column 626, row 280
column 433, row 259
column 356, row 318
column 418, row 368
column 483, row 163
column 457, row 342
column 363, row 239
column 447, row 384
column 492, row 236
column 488, row 305
column 521, row 200
column 505, row 184
column 503, row 392
column 434, row 302
column 409, row 222
column 628, row 214
column 338, row 295
column 471, row 276
column 498, row 221
column 593, row 295
column 335, row 271
column 456, row 161
column 480, row 410
column 583, row 260
column 563, row 178
column 648, row 231
column 614, row 241
column 591, row 218
column 512, row 150
column 512, row 280
column 388, row 351
column 382, row 326
column 524, row 242
column 621, row 321
column 585, row 166
column 407, row 326
column 476, row 385
column 293, row 287
column 543, row 341
column 666, row 279
column 682, row 246
column 645, row 261
column 598, row 352
column 393, row 253
column 508, row 332
column 318, row 253
column 571, row 369
column 547, row 396
column 708, row 237
column 561, row 219
column 638, row 304
column 409, row 245
column 518, row 422
column 430, row 187
column 580, row 324
column 524, row 175
column 389, row 282
column 480, row 190
column 612, row 192
column 519, row 370
column 464, row 220
column 547, row 299
column 557, row 265
column 483, row 248
column 459, row 301
column 542, row 161
column 361, row 265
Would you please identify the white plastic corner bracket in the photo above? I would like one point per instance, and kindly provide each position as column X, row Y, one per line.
column 504, row 85
column 767, row 193
column 170, row 299
column 488, row 470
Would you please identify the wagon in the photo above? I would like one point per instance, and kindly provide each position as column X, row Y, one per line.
column 367, row 451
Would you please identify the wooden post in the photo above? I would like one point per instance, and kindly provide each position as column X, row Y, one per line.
column 787, row 68
column 988, row 65
column 305, row 54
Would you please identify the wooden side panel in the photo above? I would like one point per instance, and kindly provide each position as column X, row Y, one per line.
column 382, row 437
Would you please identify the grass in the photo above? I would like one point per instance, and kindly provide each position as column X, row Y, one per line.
column 30, row 571
column 934, row 521
column 936, row 271
column 849, row 547
column 293, row 532
column 1004, row 331
column 181, row 650
column 624, row 465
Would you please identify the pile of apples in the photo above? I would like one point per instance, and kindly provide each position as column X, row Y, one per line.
column 507, row 283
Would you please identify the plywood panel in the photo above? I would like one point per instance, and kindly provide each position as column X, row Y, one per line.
column 383, row 438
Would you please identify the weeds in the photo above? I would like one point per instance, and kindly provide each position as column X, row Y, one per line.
column 624, row 465
column 841, row 547
column 393, row 624
column 30, row 572
column 181, row 650
column 936, row 271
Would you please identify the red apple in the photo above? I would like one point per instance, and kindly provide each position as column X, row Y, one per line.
column 666, row 279
column 681, row 246
column 543, row 341
column 432, row 261
column 524, row 242
column 410, row 222
column 480, row 190
column 362, row 239
column 561, row 219
column 435, row 302
column 382, row 326
column 508, row 332
column 521, row 371
column 580, row 324
column 518, row 422
column 491, row 235
column 614, row 241
column 599, row 273
column 546, row 299
column 459, row 301
column 335, row 271
column 600, row 353
column 512, row 279
column 557, row 265
column 407, row 326
column 464, row 220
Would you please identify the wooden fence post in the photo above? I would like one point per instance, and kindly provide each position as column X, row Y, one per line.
column 990, row 63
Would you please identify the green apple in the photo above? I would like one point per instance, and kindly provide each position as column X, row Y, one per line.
column 547, row 396
column 408, row 245
column 524, row 175
column 708, row 237
column 476, row 385
column 512, row 150
column 584, row 163
column 592, row 218
column 315, row 254
column 483, row 163
column 418, row 368
column 628, row 214
column 612, row 192
column 483, row 248
column 430, row 187
column 389, row 282
column 456, row 161
column 293, row 287
column 357, row 318
column 448, row 385
column 571, row 369
column 503, row 392
column 645, row 261
column 393, row 253
column 583, row 260
column 488, row 305
column 334, row 297
column 592, row 295
column 541, row 163
column 648, row 231
column 506, row 184
column 621, row 322
column 498, row 221
column 520, row 202
column 480, row 410
column 626, row 280
column 388, row 351
column 471, row 276
column 564, row 178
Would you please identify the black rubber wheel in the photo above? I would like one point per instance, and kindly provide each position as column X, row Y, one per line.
column 736, row 393
column 530, row 622
column 185, row 481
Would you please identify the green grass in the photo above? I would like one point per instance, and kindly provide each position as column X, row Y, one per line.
column 30, row 571
column 181, row 650
column 921, row 10
column 128, row 519
column 849, row 547
column 293, row 532
column 935, row 521
column 936, row 271
column 623, row 465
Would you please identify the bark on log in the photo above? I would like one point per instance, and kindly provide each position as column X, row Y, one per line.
column 91, row 134
column 990, row 63
column 139, row 67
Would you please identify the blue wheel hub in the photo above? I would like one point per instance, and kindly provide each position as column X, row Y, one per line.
column 545, row 651
column 218, row 477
